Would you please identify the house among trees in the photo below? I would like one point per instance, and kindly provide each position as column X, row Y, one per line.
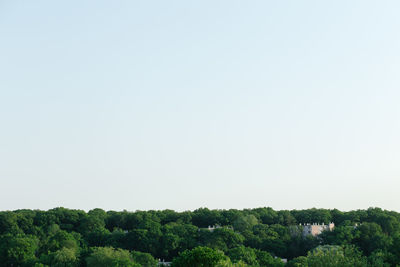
column 213, row 227
column 316, row 228
column 163, row 263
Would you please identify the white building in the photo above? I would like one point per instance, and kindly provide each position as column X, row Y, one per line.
column 315, row 229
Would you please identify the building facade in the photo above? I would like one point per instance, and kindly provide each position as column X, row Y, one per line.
column 316, row 229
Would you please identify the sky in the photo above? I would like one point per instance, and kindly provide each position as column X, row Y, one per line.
column 142, row 105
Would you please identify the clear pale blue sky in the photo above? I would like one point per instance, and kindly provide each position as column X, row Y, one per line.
column 188, row 104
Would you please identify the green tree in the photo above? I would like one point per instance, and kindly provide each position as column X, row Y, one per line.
column 61, row 239
column 266, row 259
column 144, row 259
column 178, row 237
column 221, row 238
column 298, row 262
column 341, row 235
column 204, row 217
column 199, row 257
column 369, row 237
column 245, row 254
column 379, row 258
column 267, row 215
column 65, row 257
column 331, row 256
column 17, row 250
column 110, row 257
column 245, row 223
column 9, row 223
column 228, row 263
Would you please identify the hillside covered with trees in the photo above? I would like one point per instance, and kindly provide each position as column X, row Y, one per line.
column 250, row 237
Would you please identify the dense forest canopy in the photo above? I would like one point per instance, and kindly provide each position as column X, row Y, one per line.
column 250, row 237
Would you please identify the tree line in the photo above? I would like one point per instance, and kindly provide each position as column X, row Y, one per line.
column 249, row 237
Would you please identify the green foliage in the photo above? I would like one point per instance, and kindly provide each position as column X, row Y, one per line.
column 273, row 238
column 250, row 237
column 9, row 223
column 221, row 238
column 341, row 235
column 228, row 263
column 178, row 237
column 65, row 257
column 110, row 257
column 200, row 257
column 253, row 257
column 204, row 217
column 380, row 259
column 332, row 256
column 17, row 250
column 298, row 262
column 144, row 259
column 61, row 239
column 245, row 254
column 369, row 237
column 265, row 259
column 244, row 223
